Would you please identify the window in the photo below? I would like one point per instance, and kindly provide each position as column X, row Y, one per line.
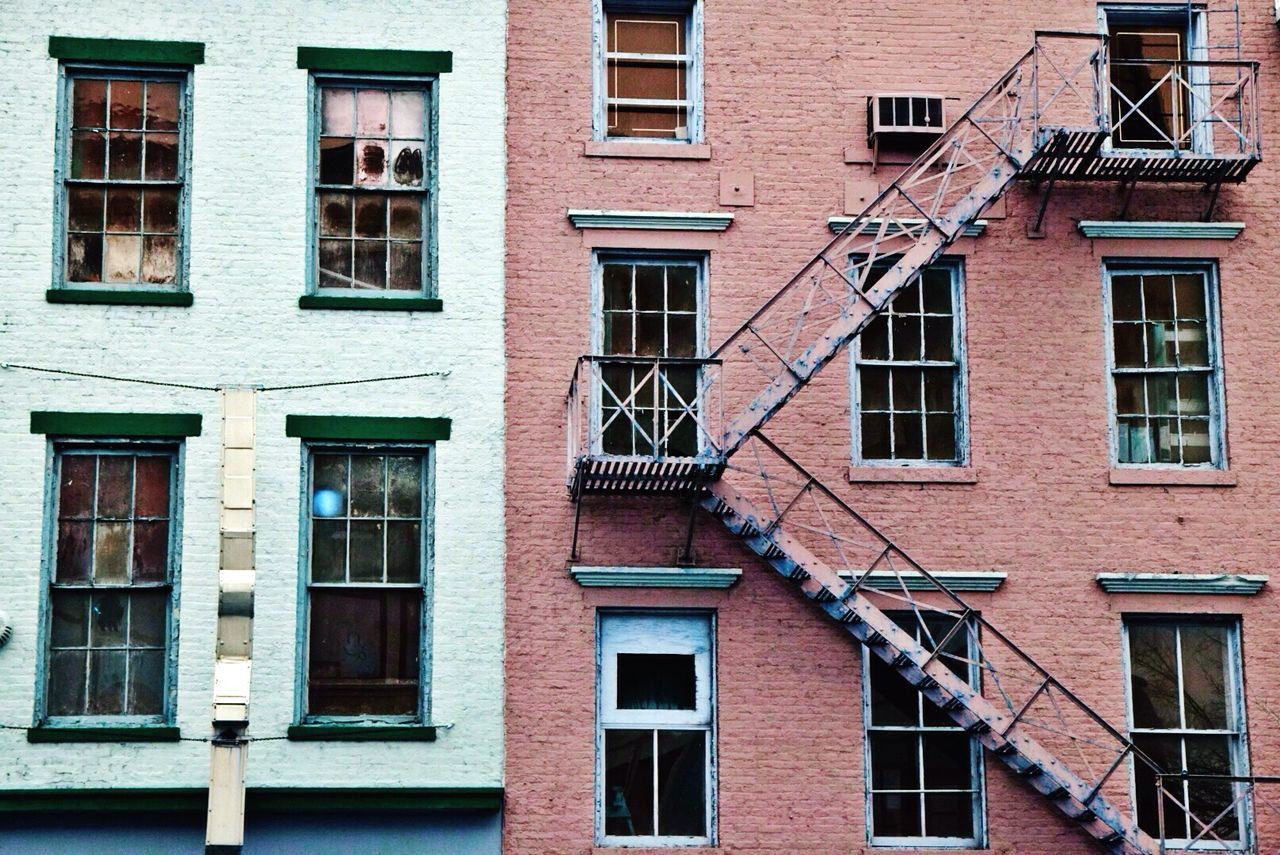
column 648, row 79
column 655, row 743
column 909, row 385
column 123, row 155
column 374, row 191
column 925, row 786
column 1165, row 369
column 1186, row 712
column 651, row 307
column 368, row 527
column 112, row 626
column 1152, row 82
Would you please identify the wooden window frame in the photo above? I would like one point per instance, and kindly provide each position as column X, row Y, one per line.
column 960, row 362
column 663, row 630
column 68, row 71
column 1213, row 329
column 422, row 716
column 58, row 448
column 1238, row 735
column 429, row 84
column 977, row 763
column 692, row 9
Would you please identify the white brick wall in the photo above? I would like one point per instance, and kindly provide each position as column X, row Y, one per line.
column 248, row 256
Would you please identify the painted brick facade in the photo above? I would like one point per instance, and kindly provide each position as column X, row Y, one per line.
column 247, row 270
column 784, row 98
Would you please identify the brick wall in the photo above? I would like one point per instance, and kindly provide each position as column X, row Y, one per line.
column 248, row 257
column 785, row 89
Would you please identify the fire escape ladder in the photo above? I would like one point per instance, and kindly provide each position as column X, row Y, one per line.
column 1051, row 99
column 983, row 682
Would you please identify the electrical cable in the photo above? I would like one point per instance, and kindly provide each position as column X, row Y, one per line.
column 173, row 385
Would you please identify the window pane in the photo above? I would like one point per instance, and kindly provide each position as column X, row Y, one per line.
column 906, row 337
column 364, row 651
column 152, row 498
column 337, row 160
column 90, row 103
column 941, row 437
column 366, row 551
column 67, row 682
column 875, row 388
column 106, row 682
column 115, row 486
column 371, row 216
column 1166, row 753
column 146, row 682
column 948, row 814
column 636, row 33
column 150, row 551
column 407, row 112
column 1153, row 676
column 108, row 619
column 70, row 624
column 162, row 157
column 895, row 760
column 370, row 264
column 937, row 339
column 126, row 103
column 628, row 783
column 1126, row 298
column 328, row 550
column 895, row 814
column 367, row 486
column 85, row 208
column 1189, row 292
column 371, row 162
column 148, row 614
column 373, row 111
column 404, row 552
column 73, row 551
column 160, row 211
column 406, row 163
column 162, row 106
column 947, row 761
column 682, row 288
column 329, row 485
column 404, row 486
column 88, row 154
column 406, row 217
column 338, row 112
column 1204, row 669
column 335, row 214
column 874, row 340
column 908, row 437
column 617, row 286
column 125, row 156
column 405, row 273
column 682, row 779
column 875, row 436
column 111, row 552
column 1210, row 755
column 656, row 681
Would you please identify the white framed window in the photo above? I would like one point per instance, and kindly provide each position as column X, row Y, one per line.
column 649, row 306
column 648, row 74
column 925, row 773
column 1186, row 712
column 655, row 741
column 908, row 384
column 1165, row 365
column 1157, row 89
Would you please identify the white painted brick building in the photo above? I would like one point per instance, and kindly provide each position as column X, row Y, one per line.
column 249, row 257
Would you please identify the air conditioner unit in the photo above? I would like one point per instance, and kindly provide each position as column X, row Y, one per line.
column 904, row 118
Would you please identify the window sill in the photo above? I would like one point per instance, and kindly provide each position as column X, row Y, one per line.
column 373, row 304
column 1172, row 478
column 362, row 733
column 656, row 151
column 912, row 475
column 104, row 297
column 130, row 733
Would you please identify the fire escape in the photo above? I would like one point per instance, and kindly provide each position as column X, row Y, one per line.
column 1055, row 115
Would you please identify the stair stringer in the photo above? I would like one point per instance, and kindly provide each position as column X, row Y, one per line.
column 860, row 618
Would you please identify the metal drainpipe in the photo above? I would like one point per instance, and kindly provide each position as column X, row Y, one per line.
column 224, row 833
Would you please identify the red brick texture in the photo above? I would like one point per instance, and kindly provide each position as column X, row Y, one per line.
column 785, row 89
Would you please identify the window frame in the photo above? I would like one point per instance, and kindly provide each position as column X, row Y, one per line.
column 430, row 84
column 959, row 348
column 977, row 759
column 700, row 261
column 1236, row 708
column 692, row 9
column 426, row 450
column 1195, row 34
column 1218, row 449
column 68, row 71
column 606, row 685
column 122, row 446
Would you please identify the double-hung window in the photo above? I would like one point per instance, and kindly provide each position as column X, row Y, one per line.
column 651, row 308
column 655, row 741
column 367, row 525
column 1165, row 366
column 373, row 197
column 112, row 585
column 1186, row 713
column 925, row 785
column 909, row 379
column 123, row 174
column 648, row 79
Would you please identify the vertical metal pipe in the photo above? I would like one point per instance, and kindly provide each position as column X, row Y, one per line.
column 224, row 832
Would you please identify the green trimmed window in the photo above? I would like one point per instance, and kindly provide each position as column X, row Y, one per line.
column 112, row 627
column 368, row 536
column 373, row 185
column 123, row 173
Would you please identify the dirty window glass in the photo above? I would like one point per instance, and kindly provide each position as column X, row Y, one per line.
column 124, row 179
column 1163, row 369
column 366, row 521
column 372, row 187
column 111, row 587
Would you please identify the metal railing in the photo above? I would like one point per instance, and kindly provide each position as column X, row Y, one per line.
column 644, row 408
column 1176, row 107
column 1238, row 813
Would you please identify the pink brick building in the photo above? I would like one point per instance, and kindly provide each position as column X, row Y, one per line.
column 1066, row 410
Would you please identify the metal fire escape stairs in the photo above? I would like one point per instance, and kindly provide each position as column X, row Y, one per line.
column 1046, row 117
